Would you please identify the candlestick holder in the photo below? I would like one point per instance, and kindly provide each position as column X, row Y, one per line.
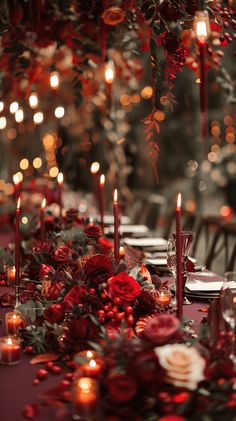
column 10, row 350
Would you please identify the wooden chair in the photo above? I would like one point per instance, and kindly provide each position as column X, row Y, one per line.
column 230, row 245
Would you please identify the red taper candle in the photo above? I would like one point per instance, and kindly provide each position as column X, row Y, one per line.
column 101, row 197
column 42, row 220
column 17, row 250
column 179, row 275
column 116, row 225
column 17, row 185
column 60, row 180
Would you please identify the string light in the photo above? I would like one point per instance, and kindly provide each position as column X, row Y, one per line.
column 54, row 80
column 33, row 100
column 3, row 123
column 38, row 117
column 59, row 112
column 19, row 115
column 14, row 107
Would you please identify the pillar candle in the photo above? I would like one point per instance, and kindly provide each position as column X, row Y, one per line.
column 13, row 322
column 10, row 350
column 179, row 277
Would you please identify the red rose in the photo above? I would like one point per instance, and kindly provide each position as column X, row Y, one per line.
column 63, row 254
column 42, row 247
column 73, row 297
column 121, row 387
column 54, row 313
column 160, row 328
column 92, row 230
column 98, row 268
column 123, row 286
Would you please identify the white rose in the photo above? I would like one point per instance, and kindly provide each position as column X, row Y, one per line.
column 184, row 365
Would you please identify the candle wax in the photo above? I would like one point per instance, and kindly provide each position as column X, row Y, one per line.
column 13, row 322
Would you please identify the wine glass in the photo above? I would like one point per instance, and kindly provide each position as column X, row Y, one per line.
column 171, row 261
column 228, row 306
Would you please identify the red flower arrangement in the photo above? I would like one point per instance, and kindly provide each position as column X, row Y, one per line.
column 124, row 287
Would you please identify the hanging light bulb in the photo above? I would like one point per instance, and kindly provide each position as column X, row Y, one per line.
column 109, row 72
column 33, row 100
column 14, row 107
column 201, row 25
column 19, row 115
column 54, row 80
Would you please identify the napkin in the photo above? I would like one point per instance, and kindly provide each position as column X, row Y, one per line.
column 128, row 228
column 145, row 242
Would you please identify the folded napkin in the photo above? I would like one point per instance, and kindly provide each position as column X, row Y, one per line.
column 145, row 242
column 207, row 286
column 128, row 228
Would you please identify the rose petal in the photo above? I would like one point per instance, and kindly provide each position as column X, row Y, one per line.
column 43, row 358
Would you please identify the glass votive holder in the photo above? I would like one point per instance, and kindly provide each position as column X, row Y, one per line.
column 86, row 398
column 13, row 322
column 164, row 297
column 11, row 274
column 10, row 350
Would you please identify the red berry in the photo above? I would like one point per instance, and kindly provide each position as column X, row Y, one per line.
column 36, row 381
column 120, row 316
column 49, row 365
column 130, row 320
column 65, row 383
column 117, row 301
column 42, row 374
column 115, row 309
column 101, row 319
column 56, row 369
column 29, row 349
column 100, row 313
column 92, row 291
column 103, row 296
column 69, row 377
column 107, row 307
column 110, row 314
column 128, row 310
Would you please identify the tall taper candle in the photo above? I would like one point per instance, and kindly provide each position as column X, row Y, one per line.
column 17, row 185
column 60, row 180
column 179, row 275
column 95, row 168
column 17, row 251
column 42, row 220
column 101, row 197
column 116, row 225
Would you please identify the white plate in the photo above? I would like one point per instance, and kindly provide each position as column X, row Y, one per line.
column 141, row 229
column 109, row 219
column 162, row 261
column 197, row 285
column 145, row 242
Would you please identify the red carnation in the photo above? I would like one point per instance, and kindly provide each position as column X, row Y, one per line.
column 121, row 387
column 160, row 328
column 73, row 297
column 54, row 313
column 63, row 254
column 124, row 287
column 70, row 267
column 45, row 270
column 98, row 268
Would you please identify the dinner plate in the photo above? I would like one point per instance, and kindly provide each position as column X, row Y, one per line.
column 158, row 243
column 131, row 229
column 200, row 295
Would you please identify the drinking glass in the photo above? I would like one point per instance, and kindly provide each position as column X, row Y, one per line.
column 186, row 241
column 228, row 306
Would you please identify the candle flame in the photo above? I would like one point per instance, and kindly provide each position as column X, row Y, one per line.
column 102, row 180
column 121, row 250
column 92, row 363
column 18, row 204
column 60, row 178
column 85, row 383
column 89, row 354
column 201, row 29
column 179, row 201
column 43, row 205
column 95, row 167
column 14, row 316
column 9, row 341
column 115, row 196
column 16, row 179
